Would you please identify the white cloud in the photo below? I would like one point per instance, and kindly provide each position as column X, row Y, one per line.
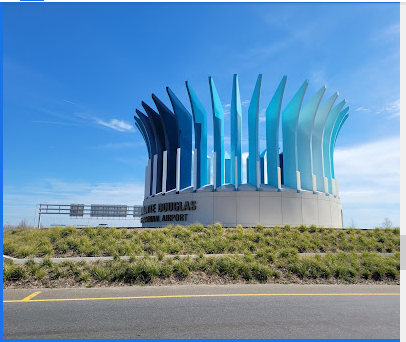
column 369, row 180
column 262, row 117
column 245, row 103
column 362, row 109
column 393, row 109
column 388, row 34
column 117, row 125
column 73, row 103
column 55, row 123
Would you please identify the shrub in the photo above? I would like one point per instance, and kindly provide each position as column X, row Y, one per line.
column 100, row 272
column 288, row 253
column 245, row 271
column 261, row 272
column 181, row 270
column 8, row 248
column 14, row 273
column 46, row 262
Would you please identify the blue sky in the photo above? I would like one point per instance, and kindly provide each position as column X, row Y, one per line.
column 75, row 72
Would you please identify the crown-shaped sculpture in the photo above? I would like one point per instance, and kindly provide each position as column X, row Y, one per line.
column 309, row 134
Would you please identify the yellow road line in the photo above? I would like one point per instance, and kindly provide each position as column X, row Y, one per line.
column 196, row 296
column 26, row 299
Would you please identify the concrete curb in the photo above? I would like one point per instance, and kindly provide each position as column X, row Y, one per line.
column 107, row 258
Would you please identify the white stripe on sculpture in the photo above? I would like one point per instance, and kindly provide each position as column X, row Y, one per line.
column 164, row 170
column 177, row 169
column 155, row 175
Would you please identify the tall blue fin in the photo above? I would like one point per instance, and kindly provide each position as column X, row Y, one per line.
column 290, row 117
column 185, row 124
column 218, row 130
column 327, row 137
column 159, row 134
column 253, row 133
column 200, row 123
column 304, row 139
column 272, row 115
column 317, row 140
column 170, row 126
column 236, row 133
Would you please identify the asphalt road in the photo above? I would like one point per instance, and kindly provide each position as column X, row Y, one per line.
column 201, row 311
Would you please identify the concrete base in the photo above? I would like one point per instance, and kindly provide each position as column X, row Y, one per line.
column 247, row 208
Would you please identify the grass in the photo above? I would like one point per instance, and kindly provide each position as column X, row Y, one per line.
column 285, row 266
column 194, row 239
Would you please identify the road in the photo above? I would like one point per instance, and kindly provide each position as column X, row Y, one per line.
column 203, row 311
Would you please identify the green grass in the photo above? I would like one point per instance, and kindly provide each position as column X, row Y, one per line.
column 286, row 266
column 194, row 239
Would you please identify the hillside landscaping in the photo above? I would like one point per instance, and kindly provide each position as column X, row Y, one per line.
column 266, row 255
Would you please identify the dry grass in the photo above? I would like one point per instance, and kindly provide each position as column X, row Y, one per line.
column 193, row 239
column 284, row 267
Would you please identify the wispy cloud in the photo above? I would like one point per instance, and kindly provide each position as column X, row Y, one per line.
column 54, row 122
column 245, row 103
column 391, row 109
column 362, row 109
column 226, row 108
column 369, row 179
column 117, row 125
column 262, row 117
column 388, row 33
column 73, row 103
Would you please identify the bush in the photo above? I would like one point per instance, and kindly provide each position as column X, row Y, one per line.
column 261, row 272
column 14, row 272
column 288, row 253
column 46, row 262
column 100, row 273
column 180, row 270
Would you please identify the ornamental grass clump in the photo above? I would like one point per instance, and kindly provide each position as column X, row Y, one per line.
column 194, row 239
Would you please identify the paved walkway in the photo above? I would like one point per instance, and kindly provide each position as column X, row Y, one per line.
column 106, row 258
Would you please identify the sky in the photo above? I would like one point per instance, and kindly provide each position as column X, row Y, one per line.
column 73, row 74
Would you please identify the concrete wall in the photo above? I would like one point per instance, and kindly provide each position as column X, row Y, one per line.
column 249, row 208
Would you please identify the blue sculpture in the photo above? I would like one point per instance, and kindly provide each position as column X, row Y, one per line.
column 236, row 133
column 141, row 128
column 272, row 114
column 185, row 127
column 304, row 137
column 290, row 118
column 328, row 131
column 171, row 130
column 159, row 134
column 253, row 134
column 337, row 127
column 218, row 128
column 309, row 134
column 200, row 123
column 151, row 138
column 317, row 140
